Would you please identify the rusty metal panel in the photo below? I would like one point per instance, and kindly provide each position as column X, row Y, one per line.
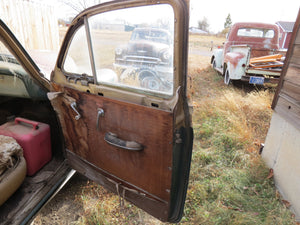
column 152, row 128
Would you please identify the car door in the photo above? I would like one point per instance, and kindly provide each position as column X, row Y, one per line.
column 121, row 101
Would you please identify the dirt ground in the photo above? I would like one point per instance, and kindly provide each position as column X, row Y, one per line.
column 64, row 208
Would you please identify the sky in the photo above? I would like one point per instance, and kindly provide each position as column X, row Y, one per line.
column 267, row 11
column 216, row 11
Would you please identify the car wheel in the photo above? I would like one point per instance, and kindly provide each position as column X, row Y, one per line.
column 227, row 77
column 151, row 83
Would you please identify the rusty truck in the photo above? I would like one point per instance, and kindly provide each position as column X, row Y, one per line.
column 251, row 53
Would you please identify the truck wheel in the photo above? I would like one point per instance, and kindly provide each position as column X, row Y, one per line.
column 226, row 77
column 214, row 64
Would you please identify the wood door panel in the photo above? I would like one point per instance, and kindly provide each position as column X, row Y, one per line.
column 148, row 169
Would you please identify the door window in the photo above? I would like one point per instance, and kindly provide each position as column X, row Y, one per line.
column 78, row 59
column 132, row 48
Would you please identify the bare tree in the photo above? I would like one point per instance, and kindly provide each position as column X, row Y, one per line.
column 203, row 24
column 79, row 5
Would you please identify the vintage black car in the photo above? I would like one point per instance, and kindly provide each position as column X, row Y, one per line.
column 149, row 55
column 135, row 141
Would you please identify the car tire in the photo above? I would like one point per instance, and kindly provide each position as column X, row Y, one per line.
column 150, row 82
column 227, row 77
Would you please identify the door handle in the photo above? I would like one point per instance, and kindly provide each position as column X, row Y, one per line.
column 100, row 113
column 73, row 106
column 112, row 139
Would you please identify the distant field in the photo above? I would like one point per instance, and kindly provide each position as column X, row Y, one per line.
column 205, row 42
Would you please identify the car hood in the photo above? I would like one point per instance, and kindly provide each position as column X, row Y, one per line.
column 146, row 48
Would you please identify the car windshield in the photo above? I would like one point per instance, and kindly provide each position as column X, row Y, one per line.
column 9, row 65
column 159, row 36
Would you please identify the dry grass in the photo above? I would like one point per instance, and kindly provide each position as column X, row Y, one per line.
column 228, row 181
column 247, row 114
column 205, row 42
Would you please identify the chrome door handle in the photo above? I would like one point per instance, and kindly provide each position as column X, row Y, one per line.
column 113, row 139
column 100, row 113
column 73, row 106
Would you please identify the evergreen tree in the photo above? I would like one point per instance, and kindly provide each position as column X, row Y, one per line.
column 228, row 21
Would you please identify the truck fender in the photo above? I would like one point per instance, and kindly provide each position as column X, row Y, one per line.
column 236, row 61
column 216, row 59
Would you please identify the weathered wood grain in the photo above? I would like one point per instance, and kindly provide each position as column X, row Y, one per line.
column 292, row 90
column 289, row 109
column 288, row 87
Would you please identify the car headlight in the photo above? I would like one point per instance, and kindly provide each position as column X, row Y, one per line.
column 166, row 55
column 119, row 51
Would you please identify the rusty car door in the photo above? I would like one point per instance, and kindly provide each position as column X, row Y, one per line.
column 126, row 122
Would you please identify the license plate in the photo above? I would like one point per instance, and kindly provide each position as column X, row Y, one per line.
column 256, row 80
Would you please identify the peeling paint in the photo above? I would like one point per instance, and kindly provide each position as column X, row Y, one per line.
column 234, row 58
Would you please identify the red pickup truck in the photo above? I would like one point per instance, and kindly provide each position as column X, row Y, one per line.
column 251, row 53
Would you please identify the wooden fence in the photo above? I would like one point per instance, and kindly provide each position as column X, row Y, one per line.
column 34, row 24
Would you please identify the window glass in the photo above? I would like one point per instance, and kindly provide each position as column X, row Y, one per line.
column 13, row 77
column 133, row 48
column 255, row 32
column 78, row 59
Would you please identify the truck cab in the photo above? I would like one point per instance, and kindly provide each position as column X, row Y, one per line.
column 246, row 43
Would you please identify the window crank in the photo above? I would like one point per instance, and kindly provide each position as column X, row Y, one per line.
column 73, row 106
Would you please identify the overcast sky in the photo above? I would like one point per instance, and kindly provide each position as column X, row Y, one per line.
column 268, row 11
column 216, row 11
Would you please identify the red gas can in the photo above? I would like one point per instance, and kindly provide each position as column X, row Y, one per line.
column 34, row 138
